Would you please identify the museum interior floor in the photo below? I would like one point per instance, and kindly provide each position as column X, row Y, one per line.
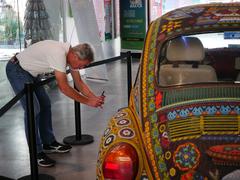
column 80, row 163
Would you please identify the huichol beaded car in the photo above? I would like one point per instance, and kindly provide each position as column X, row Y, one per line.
column 183, row 119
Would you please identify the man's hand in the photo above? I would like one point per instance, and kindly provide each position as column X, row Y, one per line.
column 95, row 101
column 91, row 100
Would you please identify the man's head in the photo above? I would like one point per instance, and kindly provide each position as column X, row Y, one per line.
column 80, row 56
column 84, row 51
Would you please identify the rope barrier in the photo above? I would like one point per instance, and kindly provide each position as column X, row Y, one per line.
column 14, row 100
column 107, row 61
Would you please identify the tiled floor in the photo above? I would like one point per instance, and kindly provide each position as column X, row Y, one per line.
column 81, row 161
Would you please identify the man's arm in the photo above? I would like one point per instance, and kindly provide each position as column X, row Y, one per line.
column 81, row 85
column 71, row 92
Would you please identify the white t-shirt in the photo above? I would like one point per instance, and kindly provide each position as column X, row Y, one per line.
column 44, row 57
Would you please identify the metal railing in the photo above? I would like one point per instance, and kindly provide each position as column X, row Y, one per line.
column 78, row 138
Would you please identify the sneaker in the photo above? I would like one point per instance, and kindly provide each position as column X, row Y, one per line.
column 44, row 161
column 56, row 147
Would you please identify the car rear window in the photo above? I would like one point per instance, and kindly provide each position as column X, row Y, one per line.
column 201, row 58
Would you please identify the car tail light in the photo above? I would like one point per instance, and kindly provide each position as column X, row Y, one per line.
column 121, row 163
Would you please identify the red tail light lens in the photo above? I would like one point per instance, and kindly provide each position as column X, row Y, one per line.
column 121, row 163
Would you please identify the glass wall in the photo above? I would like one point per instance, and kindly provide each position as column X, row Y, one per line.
column 11, row 27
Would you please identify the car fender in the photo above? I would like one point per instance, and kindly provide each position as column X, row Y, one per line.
column 122, row 127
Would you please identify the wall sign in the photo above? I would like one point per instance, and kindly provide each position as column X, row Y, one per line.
column 132, row 24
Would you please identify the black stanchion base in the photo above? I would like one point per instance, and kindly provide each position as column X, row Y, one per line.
column 5, row 178
column 40, row 177
column 85, row 139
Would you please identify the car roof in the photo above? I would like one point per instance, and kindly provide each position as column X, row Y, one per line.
column 214, row 17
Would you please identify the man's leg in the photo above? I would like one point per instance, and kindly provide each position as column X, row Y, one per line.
column 17, row 78
column 50, row 145
column 45, row 116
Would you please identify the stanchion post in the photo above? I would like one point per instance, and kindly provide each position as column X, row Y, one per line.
column 129, row 73
column 31, row 131
column 78, row 138
column 78, row 128
column 32, row 138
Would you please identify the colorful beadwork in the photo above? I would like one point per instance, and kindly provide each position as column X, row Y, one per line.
column 109, row 140
column 203, row 110
column 186, row 157
column 123, row 122
column 126, row 133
